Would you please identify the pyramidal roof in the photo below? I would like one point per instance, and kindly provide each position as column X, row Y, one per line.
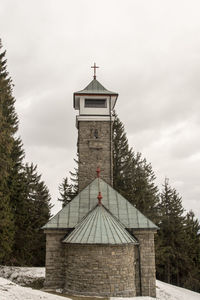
column 99, row 226
column 95, row 87
column 86, row 200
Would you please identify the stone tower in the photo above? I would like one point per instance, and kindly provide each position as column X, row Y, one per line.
column 94, row 124
column 93, row 248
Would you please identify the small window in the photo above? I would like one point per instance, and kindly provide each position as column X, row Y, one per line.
column 95, row 103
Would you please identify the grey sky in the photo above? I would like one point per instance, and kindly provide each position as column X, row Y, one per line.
column 148, row 52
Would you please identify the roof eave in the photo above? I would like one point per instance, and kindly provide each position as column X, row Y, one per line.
column 133, row 228
column 112, row 244
column 95, row 93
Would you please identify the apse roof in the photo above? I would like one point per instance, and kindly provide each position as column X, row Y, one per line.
column 99, row 226
column 122, row 209
column 95, row 87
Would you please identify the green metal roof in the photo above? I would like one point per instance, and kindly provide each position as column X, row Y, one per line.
column 122, row 209
column 95, row 87
column 99, row 227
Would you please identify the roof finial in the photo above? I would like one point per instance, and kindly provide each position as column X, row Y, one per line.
column 94, row 67
column 98, row 172
column 99, row 197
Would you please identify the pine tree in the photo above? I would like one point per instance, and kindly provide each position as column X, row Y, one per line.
column 16, row 189
column 133, row 177
column 170, row 253
column 74, row 177
column 122, row 158
column 32, row 213
column 39, row 213
column 8, row 128
column 69, row 190
column 190, row 278
column 66, row 192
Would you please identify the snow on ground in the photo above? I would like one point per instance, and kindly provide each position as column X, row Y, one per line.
column 12, row 291
column 22, row 275
column 167, row 291
column 25, row 276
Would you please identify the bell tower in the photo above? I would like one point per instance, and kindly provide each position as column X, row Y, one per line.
column 94, row 123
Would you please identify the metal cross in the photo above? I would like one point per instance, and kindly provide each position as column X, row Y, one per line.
column 94, row 67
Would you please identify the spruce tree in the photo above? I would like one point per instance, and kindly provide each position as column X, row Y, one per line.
column 170, row 252
column 24, row 198
column 69, row 190
column 8, row 128
column 122, row 158
column 133, row 177
column 74, row 177
column 33, row 212
column 190, row 278
column 66, row 192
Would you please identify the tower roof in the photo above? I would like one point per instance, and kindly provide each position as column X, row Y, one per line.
column 95, row 87
column 122, row 209
column 99, row 226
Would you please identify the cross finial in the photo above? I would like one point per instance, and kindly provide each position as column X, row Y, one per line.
column 94, row 67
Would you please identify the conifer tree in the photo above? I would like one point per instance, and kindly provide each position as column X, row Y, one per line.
column 24, row 198
column 33, row 212
column 8, row 128
column 69, row 191
column 16, row 189
column 170, row 253
column 74, row 177
column 122, row 157
column 66, row 192
column 190, row 278
column 133, row 177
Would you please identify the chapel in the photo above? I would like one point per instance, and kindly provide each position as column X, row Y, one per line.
column 99, row 244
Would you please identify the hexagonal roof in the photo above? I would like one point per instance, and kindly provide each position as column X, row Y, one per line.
column 95, row 87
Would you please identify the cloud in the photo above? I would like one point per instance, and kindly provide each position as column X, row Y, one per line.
column 148, row 52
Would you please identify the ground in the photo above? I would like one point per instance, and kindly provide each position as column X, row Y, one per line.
column 14, row 279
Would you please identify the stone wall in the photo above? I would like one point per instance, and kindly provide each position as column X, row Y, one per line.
column 100, row 270
column 55, row 271
column 147, row 263
column 94, row 148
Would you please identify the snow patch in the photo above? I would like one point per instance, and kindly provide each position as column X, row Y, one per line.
column 167, row 291
column 12, row 291
column 25, row 276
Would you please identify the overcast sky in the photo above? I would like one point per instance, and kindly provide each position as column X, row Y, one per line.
column 148, row 52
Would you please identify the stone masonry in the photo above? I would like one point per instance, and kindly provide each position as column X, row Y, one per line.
column 94, row 149
column 100, row 270
column 147, row 263
column 55, row 271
